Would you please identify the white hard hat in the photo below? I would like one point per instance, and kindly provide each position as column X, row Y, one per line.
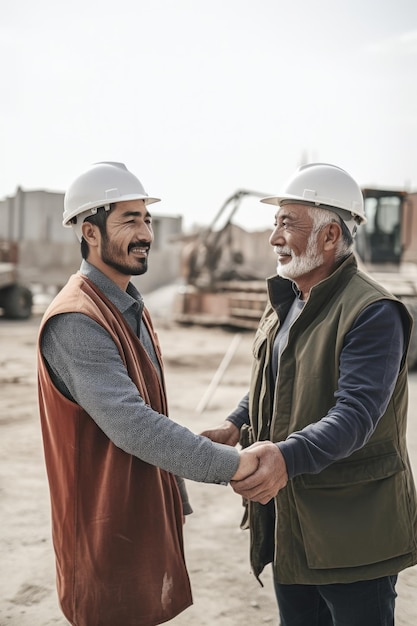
column 327, row 186
column 100, row 185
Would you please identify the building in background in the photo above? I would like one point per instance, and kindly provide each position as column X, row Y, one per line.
column 48, row 253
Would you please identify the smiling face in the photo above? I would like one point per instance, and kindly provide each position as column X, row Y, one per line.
column 305, row 252
column 122, row 250
column 295, row 242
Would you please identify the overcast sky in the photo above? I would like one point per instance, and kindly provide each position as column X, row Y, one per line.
column 201, row 98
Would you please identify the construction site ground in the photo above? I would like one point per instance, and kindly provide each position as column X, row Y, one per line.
column 225, row 591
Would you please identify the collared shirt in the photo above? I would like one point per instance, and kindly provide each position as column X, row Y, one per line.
column 85, row 365
column 281, row 339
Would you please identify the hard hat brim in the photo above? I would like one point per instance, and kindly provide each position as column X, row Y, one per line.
column 345, row 214
column 91, row 206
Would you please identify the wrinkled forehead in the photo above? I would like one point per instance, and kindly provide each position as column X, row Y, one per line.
column 294, row 210
column 130, row 205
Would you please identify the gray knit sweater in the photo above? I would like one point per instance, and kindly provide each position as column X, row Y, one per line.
column 86, row 367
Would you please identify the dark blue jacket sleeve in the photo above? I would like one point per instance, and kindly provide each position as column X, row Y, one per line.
column 369, row 365
column 240, row 415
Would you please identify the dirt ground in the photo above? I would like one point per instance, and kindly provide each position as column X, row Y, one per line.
column 225, row 591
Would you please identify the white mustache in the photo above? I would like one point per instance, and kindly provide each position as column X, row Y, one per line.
column 282, row 250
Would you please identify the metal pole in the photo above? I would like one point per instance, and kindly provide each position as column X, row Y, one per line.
column 219, row 373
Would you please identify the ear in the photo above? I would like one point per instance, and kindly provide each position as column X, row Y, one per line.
column 90, row 233
column 332, row 235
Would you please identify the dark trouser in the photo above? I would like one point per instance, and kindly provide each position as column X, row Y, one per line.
column 365, row 603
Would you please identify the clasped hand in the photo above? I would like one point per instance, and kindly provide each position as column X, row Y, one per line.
column 262, row 471
column 268, row 476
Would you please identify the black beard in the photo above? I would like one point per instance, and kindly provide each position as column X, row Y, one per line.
column 109, row 255
column 127, row 270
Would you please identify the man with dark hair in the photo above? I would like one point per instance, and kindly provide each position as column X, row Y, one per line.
column 112, row 455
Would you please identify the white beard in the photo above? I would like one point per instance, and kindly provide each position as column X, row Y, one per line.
column 300, row 265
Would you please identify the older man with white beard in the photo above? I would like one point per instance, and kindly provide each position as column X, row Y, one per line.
column 332, row 505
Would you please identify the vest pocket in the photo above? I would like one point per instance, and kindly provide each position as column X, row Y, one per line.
column 354, row 513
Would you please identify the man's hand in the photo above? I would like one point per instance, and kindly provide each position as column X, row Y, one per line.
column 270, row 476
column 248, row 464
column 226, row 433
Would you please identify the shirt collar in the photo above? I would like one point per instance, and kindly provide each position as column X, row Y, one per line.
column 123, row 300
column 296, row 291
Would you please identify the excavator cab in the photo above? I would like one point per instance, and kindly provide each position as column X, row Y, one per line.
column 380, row 240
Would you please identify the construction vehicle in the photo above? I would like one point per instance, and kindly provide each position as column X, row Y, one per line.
column 224, row 269
column 224, row 272
column 386, row 247
column 16, row 300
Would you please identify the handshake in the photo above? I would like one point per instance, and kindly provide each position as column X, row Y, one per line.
column 262, row 471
